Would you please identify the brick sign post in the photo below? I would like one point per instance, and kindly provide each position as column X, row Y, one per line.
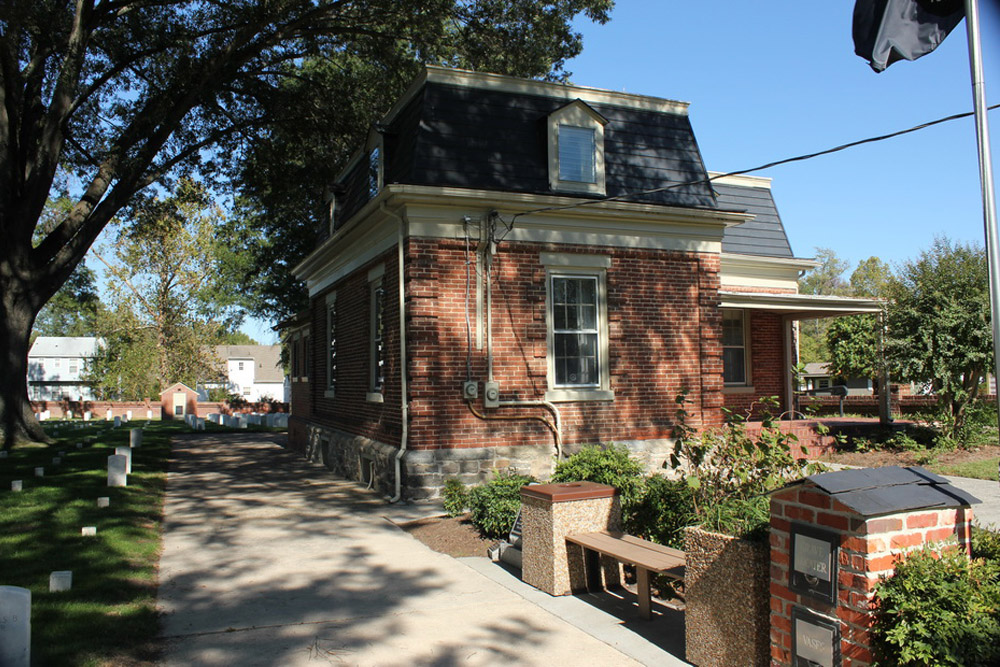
column 832, row 537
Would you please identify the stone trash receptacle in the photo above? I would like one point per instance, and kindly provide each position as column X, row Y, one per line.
column 549, row 513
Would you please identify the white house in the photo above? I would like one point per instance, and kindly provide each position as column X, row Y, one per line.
column 253, row 371
column 57, row 367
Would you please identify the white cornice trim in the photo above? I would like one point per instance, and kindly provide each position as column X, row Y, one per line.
column 510, row 84
column 742, row 180
column 747, row 261
column 805, row 306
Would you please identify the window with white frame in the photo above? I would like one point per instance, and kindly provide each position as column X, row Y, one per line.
column 577, row 330
column 376, row 301
column 331, row 343
column 576, row 149
column 734, row 348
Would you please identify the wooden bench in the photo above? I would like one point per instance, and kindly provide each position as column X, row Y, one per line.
column 648, row 558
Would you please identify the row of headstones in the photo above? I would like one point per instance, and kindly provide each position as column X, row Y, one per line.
column 270, row 419
column 15, row 602
column 87, row 415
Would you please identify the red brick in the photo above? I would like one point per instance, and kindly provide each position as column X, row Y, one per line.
column 815, row 499
column 881, row 563
column 926, row 520
column 938, row 534
column 800, row 514
column 884, row 525
column 905, row 540
column 833, row 521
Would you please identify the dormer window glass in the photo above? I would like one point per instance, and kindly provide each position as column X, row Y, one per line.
column 576, row 149
column 374, row 171
column 576, row 154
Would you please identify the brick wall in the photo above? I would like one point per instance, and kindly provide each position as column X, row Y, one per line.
column 869, row 549
column 767, row 364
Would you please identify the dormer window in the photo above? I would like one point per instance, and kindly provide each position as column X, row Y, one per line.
column 576, row 149
column 374, row 172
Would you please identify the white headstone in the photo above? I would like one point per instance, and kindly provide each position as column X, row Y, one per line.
column 88, row 531
column 118, row 422
column 149, row 415
column 135, row 437
column 108, row 415
column 128, row 415
column 199, row 424
column 43, row 415
column 104, row 501
column 127, row 453
column 15, row 626
column 60, row 580
column 281, row 420
column 79, row 445
column 16, row 485
column 56, row 460
column 86, row 416
column 39, row 472
column 69, row 414
column 117, row 465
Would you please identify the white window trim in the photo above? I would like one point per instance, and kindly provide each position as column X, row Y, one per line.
column 747, row 385
column 559, row 264
column 576, row 114
column 331, row 382
column 375, row 276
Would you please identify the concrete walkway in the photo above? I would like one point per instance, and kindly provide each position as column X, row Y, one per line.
column 270, row 560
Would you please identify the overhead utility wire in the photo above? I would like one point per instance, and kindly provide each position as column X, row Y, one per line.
column 776, row 163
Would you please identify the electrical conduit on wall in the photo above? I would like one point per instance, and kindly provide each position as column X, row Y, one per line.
column 404, row 405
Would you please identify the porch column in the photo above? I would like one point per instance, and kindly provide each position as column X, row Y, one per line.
column 791, row 358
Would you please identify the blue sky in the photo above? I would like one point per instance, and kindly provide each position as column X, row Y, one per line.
column 770, row 80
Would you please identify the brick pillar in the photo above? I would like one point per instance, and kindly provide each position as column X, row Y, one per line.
column 868, row 548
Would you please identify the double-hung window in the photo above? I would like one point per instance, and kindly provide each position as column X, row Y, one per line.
column 376, row 357
column 577, row 330
column 331, row 344
column 734, row 348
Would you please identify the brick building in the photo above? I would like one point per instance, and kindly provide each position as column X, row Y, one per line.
column 534, row 267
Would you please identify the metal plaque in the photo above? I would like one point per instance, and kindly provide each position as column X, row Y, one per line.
column 815, row 640
column 814, row 562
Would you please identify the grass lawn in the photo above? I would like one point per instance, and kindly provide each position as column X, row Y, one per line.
column 109, row 617
column 984, row 469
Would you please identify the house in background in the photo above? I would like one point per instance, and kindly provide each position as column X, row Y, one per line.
column 253, row 372
column 57, row 367
column 514, row 269
column 817, row 377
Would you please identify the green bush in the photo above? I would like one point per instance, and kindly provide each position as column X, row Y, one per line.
column 938, row 611
column 747, row 518
column 611, row 465
column 666, row 507
column 986, row 543
column 494, row 505
column 456, row 497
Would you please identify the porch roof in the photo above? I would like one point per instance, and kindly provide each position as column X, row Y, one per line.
column 800, row 306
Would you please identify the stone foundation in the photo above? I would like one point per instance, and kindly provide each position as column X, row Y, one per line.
column 426, row 470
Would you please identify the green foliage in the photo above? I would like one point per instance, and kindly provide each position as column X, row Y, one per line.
column 938, row 611
column 456, row 497
column 939, row 325
column 169, row 305
column 853, row 343
column 986, row 543
column 872, row 278
column 494, row 505
column 611, row 465
column 727, row 469
column 747, row 518
column 73, row 311
column 665, row 509
column 828, row 279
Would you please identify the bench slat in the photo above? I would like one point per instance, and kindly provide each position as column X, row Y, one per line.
column 634, row 551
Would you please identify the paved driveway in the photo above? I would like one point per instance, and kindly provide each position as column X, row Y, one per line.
column 269, row 560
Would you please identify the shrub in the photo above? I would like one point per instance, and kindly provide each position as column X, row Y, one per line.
column 494, row 505
column 666, row 507
column 746, row 518
column 938, row 611
column 611, row 465
column 986, row 543
column 456, row 497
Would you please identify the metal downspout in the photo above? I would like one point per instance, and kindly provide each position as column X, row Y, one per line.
column 404, row 406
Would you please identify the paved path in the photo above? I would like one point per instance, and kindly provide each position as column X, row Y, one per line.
column 270, row 560
column 988, row 491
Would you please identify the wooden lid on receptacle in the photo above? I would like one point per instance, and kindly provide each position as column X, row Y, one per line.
column 565, row 491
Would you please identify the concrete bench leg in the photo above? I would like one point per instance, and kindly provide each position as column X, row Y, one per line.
column 643, row 593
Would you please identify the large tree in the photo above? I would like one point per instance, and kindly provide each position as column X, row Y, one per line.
column 939, row 324
column 854, row 343
column 827, row 278
column 118, row 94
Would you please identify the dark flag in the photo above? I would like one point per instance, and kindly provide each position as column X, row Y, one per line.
column 889, row 30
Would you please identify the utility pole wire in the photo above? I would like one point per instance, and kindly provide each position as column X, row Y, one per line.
column 776, row 163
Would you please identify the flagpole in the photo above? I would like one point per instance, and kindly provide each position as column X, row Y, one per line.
column 985, row 175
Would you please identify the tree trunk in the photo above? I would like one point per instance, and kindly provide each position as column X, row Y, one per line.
column 17, row 420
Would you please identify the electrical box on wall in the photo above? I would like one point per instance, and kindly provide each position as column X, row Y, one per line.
column 491, row 395
column 470, row 390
